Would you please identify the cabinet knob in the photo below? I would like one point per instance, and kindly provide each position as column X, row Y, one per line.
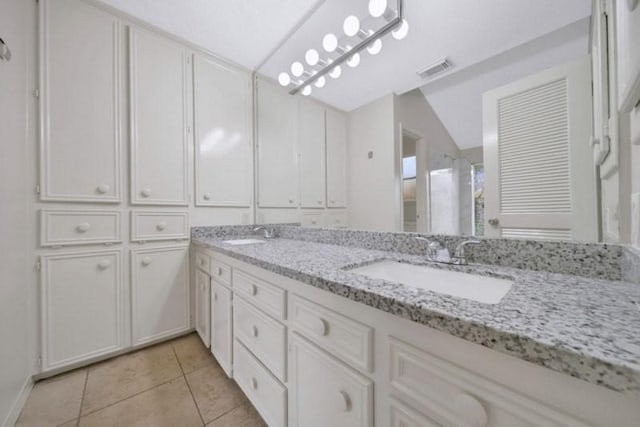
column 333, row 202
column 313, row 222
column 344, row 401
column 103, row 188
column 493, row 222
column 161, row 225
column 322, row 327
column 104, row 264
column 470, row 410
column 254, row 290
column 215, row 296
column 146, row 192
column 146, row 260
column 83, row 227
column 219, row 271
column 319, row 202
column 254, row 331
column 206, row 196
column 290, row 200
column 254, row 383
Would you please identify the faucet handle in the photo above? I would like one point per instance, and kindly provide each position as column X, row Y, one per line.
column 433, row 247
column 459, row 252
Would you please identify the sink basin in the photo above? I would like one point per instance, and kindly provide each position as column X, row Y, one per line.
column 243, row 241
column 488, row 290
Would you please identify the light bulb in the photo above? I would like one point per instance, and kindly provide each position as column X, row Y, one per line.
column 335, row 72
column 354, row 60
column 330, row 42
column 312, row 57
column 306, row 91
column 284, row 79
column 351, row 25
column 401, row 32
column 377, row 7
column 321, row 81
column 375, row 47
column 297, row 69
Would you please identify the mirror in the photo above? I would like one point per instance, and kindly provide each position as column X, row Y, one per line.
column 487, row 133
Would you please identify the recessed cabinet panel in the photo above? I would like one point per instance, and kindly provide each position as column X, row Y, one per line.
column 277, row 147
column 159, row 116
column 80, row 144
column 82, row 314
column 78, row 227
column 146, row 225
column 221, row 324
column 160, row 292
column 223, row 132
column 312, row 154
column 336, row 159
column 203, row 309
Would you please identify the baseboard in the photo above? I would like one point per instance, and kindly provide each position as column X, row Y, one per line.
column 18, row 404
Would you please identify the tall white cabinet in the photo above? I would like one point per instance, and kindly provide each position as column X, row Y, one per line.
column 311, row 144
column 336, row 128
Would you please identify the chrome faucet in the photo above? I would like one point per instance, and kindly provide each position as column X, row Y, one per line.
column 459, row 256
column 433, row 247
column 268, row 233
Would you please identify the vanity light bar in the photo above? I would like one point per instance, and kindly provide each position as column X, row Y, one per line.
column 348, row 54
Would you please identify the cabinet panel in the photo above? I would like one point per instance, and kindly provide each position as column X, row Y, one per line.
column 336, row 159
column 326, row 392
column 203, row 311
column 78, row 227
column 159, row 117
column 160, row 292
column 277, row 147
column 82, row 315
column 221, row 324
column 270, row 298
column 312, row 154
column 146, row 225
column 223, row 132
column 80, row 144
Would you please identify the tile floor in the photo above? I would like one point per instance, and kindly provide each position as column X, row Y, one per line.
column 177, row 383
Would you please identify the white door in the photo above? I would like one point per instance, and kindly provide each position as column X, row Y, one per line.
column 224, row 134
column 277, row 147
column 539, row 176
column 203, row 311
column 312, row 154
column 160, row 292
column 326, row 392
column 81, row 304
column 221, row 334
column 159, row 111
column 80, row 82
column 336, row 159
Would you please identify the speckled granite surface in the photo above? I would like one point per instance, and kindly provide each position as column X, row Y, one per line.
column 585, row 327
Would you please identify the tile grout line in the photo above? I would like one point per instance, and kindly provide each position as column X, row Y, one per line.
column 195, row 402
column 84, row 392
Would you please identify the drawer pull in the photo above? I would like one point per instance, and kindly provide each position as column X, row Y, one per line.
column 146, row 260
column 313, row 222
column 104, row 264
column 161, row 226
column 146, row 192
column 471, row 410
column 103, row 188
column 219, row 271
column 215, row 296
column 322, row 327
column 83, row 227
column 254, row 290
column 345, row 401
column 254, row 331
column 206, row 196
column 254, row 383
column 203, row 262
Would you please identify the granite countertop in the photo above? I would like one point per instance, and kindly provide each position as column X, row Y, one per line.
column 587, row 328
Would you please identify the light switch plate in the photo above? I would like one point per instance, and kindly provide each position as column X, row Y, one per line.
column 635, row 219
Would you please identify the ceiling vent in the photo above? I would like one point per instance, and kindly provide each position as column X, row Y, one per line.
column 437, row 68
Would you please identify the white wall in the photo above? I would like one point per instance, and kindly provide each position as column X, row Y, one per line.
column 16, row 261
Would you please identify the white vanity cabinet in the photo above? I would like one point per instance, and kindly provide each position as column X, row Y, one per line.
column 160, row 73
column 80, row 103
column 221, row 326
column 311, row 143
column 81, row 300
column 336, row 129
column 203, row 307
column 159, row 292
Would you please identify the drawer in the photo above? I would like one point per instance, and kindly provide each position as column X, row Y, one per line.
column 268, row 297
column 147, row 225
column 451, row 395
column 346, row 338
column 265, row 392
column 312, row 219
column 401, row 415
column 221, row 272
column 264, row 336
column 203, row 261
column 337, row 219
column 78, row 227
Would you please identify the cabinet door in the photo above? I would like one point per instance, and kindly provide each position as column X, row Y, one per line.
column 80, row 144
column 336, row 159
column 221, row 334
column 277, row 147
column 159, row 117
column 160, row 292
column 223, row 132
column 203, row 312
column 81, row 306
column 325, row 391
column 312, row 155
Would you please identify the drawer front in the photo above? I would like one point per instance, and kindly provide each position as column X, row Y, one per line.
column 203, row 261
column 147, row 225
column 451, row 395
column 326, row 392
column 401, row 415
column 348, row 339
column 264, row 391
column 264, row 336
column 78, row 227
column 312, row 219
column 221, row 272
column 268, row 297
column 337, row 219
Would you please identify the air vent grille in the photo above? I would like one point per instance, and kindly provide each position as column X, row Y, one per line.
column 437, row 68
